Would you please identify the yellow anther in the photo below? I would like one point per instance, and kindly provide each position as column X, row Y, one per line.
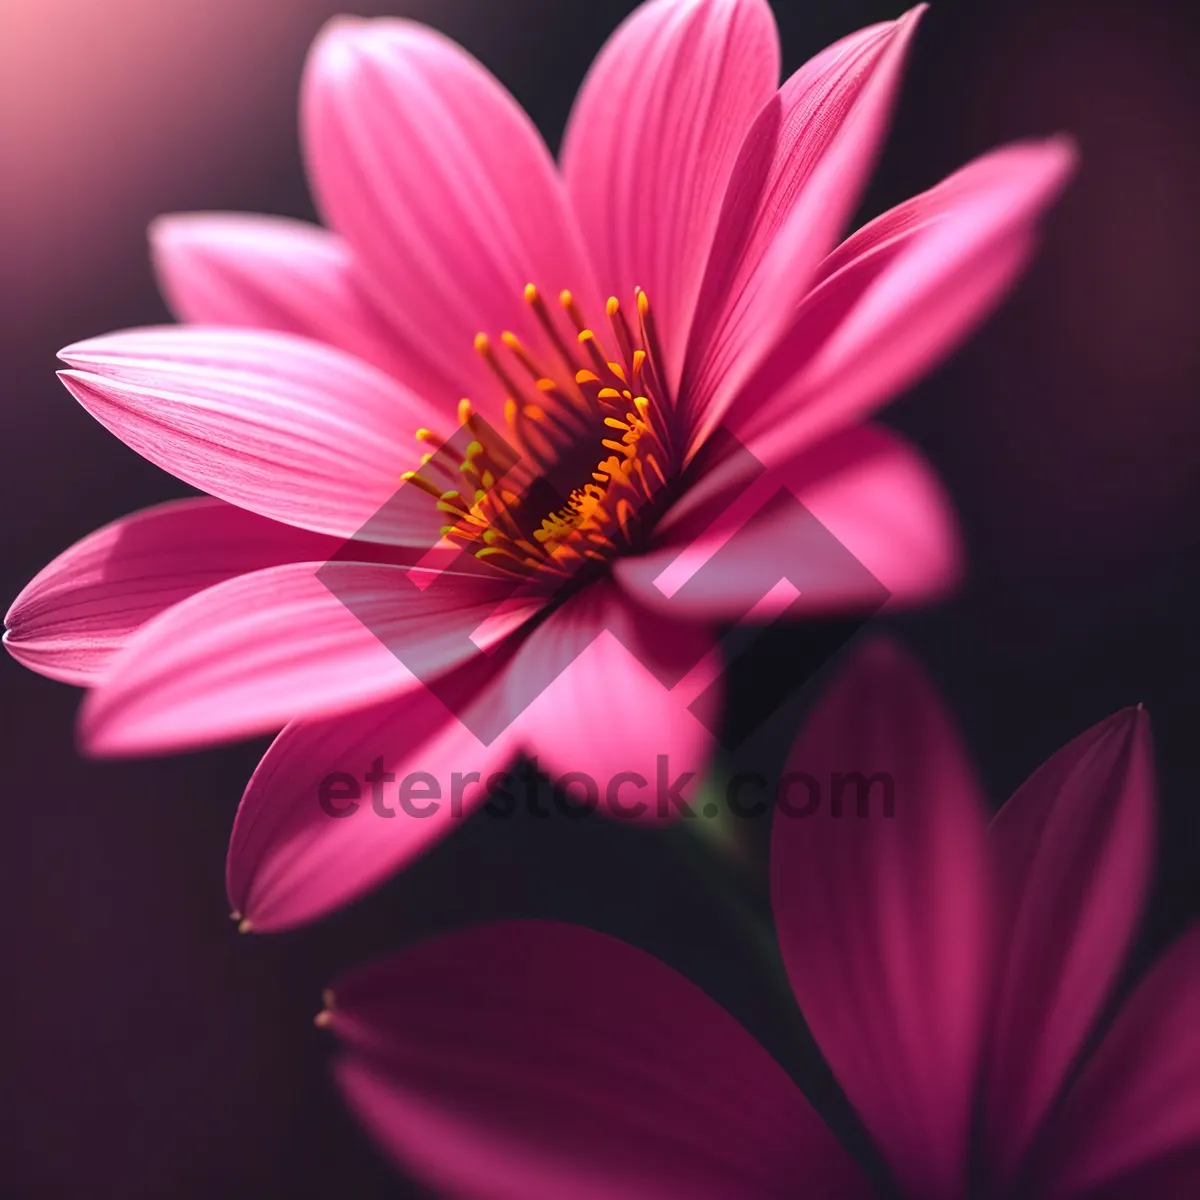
column 557, row 410
column 429, row 488
column 568, row 302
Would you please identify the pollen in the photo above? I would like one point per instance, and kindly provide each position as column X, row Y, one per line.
column 585, row 454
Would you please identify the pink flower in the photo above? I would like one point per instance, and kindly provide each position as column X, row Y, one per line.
column 706, row 202
column 952, row 975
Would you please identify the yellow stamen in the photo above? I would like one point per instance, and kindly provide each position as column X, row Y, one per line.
column 552, row 427
column 424, row 484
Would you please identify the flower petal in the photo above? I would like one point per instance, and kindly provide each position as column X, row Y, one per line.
column 1130, row 1126
column 797, row 181
column 445, row 191
column 533, row 1060
column 78, row 611
column 252, row 653
column 313, row 833
column 899, row 296
column 280, row 425
column 1074, row 850
column 652, row 142
column 860, row 518
column 883, row 913
column 1025, row 165
column 620, row 699
column 271, row 273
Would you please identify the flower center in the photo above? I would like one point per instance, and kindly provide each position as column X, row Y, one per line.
column 585, row 460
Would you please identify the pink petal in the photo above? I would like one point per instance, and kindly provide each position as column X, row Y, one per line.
column 1129, row 1129
column 533, row 1060
column 271, row 273
column 77, row 612
column 1016, row 164
column 884, row 921
column 1074, row 850
column 276, row 424
column 445, row 191
column 798, row 179
column 298, row 852
column 252, row 653
column 652, row 142
column 623, row 700
column 899, row 297
column 858, row 518
column 890, row 511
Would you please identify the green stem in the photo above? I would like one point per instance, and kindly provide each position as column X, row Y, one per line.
column 711, row 864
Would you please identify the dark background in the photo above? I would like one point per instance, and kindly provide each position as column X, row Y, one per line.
column 150, row 1051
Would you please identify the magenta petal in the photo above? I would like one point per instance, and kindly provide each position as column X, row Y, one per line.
column 445, row 191
column 1073, row 851
column 270, row 273
column 652, row 143
column 312, row 833
column 798, row 179
column 889, row 510
column 1129, row 1129
column 1029, row 165
column 252, row 653
column 884, row 920
column 908, row 289
column 872, row 522
column 621, row 699
column 276, row 424
column 537, row 1061
column 78, row 611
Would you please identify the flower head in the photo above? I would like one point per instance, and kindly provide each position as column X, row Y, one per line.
column 580, row 380
column 954, row 976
